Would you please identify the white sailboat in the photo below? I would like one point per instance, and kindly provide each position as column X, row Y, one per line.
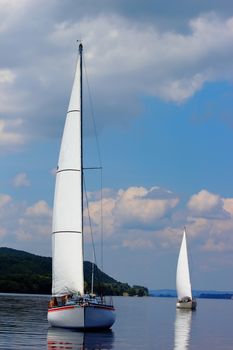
column 69, row 306
column 183, row 284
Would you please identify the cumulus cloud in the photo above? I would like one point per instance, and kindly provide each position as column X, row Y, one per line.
column 136, row 218
column 212, row 246
column 4, row 200
column 162, row 62
column 39, row 209
column 136, row 244
column 205, row 203
column 132, row 209
column 25, row 227
column 35, row 223
column 141, row 218
column 6, row 76
column 21, row 180
column 185, row 61
column 228, row 205
column 10, row 136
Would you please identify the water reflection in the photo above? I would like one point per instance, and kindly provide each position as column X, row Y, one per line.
column 58, row 338
column 182, row 329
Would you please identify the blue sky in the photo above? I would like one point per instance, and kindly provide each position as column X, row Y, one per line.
column 161, row 86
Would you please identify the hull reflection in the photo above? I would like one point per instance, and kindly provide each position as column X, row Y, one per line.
column 182, row 329
column 60, row 338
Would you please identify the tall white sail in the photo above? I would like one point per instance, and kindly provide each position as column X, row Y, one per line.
column 67, row 242
column 183, row 284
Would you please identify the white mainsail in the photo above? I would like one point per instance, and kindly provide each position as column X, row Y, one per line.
column 183, row 284
column 67, row 241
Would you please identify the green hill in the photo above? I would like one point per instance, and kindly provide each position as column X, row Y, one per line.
column 22, row 272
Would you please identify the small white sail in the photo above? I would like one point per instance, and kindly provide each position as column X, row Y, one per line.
column 183, row 284
column 67, row 243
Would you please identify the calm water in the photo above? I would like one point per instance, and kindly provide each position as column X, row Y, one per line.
column 142, row 323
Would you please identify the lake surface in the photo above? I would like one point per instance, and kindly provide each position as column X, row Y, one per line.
column 142, row 323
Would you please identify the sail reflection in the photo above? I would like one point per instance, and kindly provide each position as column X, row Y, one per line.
column 182, row 329
column 60, row 338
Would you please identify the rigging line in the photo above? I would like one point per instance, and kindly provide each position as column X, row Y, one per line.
column 92, row 113
column 92, row 238
column 101, row 220
column 100, row 160
column 89, row 219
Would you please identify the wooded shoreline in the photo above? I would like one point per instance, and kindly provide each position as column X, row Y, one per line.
column 22, row 272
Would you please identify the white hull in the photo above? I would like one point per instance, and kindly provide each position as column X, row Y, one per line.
column 189, row 305
column 82, row 317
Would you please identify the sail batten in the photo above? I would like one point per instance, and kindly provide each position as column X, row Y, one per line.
column 67, row 247
column 183, row 284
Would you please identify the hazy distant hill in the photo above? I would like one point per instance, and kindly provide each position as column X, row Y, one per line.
column 22, row 272
column 171, row 293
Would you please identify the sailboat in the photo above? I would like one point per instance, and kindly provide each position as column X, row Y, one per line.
column 69, row 306
column 183, row 284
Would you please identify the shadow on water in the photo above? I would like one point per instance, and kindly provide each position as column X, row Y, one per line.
column 182, row 327
column 58, row 338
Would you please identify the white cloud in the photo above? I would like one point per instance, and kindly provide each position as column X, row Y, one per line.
column 159, row 62
column 4, row 200
column 136, row 244
column 22, row 223
column 10, row 137
column 34, row 224
column 131, row 208
column 21, row 180
column 134, row 207
column 11, row 12
column 40, row 208
column 23, row 235
column 211, row 246
column 6, row 76
column 136, row 218
column 168, row 64
column 205, row 202
column 182, row 89
column 228, row 205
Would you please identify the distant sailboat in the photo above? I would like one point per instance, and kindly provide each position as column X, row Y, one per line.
column 183, row 284
column 70, row 307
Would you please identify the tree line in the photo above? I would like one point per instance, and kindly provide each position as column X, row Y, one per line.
column 22, row 272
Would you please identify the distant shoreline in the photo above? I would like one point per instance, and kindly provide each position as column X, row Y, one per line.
column 171, row 293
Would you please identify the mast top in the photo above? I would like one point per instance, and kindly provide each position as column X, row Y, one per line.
column 80, row 48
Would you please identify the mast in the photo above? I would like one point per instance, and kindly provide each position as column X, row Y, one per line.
column 81, row 127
